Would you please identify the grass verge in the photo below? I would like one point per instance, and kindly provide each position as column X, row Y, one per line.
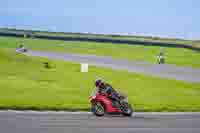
column 26, row 84
column 178, row 56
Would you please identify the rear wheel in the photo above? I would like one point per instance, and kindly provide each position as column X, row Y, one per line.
column 98, row 109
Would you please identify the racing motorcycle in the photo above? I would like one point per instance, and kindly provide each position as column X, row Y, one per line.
column 101, row 104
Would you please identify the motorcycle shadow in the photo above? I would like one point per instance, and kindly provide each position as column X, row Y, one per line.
column 134, row 116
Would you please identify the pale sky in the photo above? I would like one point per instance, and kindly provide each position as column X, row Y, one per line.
column 165, row 18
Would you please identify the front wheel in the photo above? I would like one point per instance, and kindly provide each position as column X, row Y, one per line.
column 127, row 111
column 98, row 109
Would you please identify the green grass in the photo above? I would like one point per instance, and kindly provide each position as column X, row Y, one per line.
column 26, row 84
column 178, row 56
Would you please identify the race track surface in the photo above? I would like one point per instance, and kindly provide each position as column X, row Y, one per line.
column 22, row 122
column 186, row 74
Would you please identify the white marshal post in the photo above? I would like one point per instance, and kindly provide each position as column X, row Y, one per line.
column 84, row 67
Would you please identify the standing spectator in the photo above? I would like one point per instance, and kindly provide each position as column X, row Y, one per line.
column 160, row 57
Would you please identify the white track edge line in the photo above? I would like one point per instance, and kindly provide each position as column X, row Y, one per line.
column 64, row 112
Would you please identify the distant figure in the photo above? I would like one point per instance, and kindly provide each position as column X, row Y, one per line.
column 161, row 52
column 160, row 57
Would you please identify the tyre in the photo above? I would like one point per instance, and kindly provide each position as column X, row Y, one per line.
column 98, row 109
column 127, row 111
column 25, row 50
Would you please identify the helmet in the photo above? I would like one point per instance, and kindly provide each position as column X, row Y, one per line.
column 98, row 82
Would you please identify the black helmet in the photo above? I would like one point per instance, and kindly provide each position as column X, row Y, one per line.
column 98, row 82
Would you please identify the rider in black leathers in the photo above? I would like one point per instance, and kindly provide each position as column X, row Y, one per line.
column 107, row 89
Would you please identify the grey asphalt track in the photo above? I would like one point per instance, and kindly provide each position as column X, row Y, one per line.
column 13, row 122
column 187, row 74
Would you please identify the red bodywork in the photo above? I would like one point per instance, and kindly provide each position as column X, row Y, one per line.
column 103, row 99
